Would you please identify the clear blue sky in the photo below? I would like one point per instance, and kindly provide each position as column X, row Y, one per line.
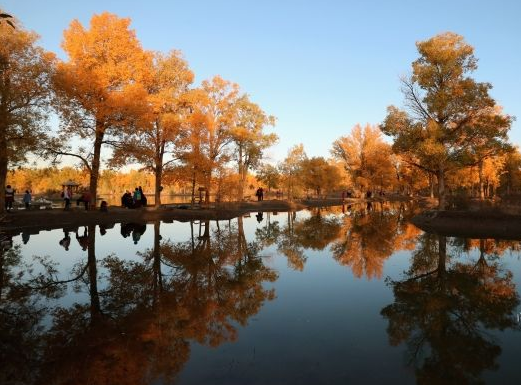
column 319, row 67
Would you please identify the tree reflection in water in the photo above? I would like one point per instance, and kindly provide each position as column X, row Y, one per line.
column 371, row 236
column 363, row 240
column 138, row 327
column 315, row 233
column 23, row 308
column 141, row 316
column 443, row 310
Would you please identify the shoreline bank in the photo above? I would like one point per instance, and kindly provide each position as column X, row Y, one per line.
column 470, row 224
column 34, row 221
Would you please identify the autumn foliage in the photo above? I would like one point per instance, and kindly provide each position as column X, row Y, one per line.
column 122, row 105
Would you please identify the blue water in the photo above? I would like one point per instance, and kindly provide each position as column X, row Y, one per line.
column 313, row 297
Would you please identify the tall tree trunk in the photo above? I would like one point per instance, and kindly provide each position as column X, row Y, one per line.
column 290, row 187
column 193, row 188
column 207, row 195
column 159, row 176
column 208, row 183
column 441, row 189
column 94, row 172
column 480, row 173
column 241, row 176
column 158, row 171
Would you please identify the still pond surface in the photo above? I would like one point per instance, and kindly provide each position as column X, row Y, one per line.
column 327, row 296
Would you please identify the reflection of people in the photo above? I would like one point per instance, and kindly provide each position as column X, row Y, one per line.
column 25, row 237
column 138, row 231
column 259, row 217
column 102, row 230
column 126, row 229
column 66, row 241
column 83, row 240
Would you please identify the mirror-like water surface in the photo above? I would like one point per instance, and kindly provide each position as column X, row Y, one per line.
column 327, row 296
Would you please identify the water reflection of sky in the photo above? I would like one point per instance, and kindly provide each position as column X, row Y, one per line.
column 325, row 323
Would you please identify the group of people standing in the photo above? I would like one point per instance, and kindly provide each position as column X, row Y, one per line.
column 135, row 200
column 260, row 194
column 9, row 198
column 84, row 198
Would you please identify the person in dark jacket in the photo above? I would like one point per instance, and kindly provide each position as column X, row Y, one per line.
column 143, row 197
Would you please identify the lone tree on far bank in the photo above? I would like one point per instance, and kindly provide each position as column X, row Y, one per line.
column 447, row 112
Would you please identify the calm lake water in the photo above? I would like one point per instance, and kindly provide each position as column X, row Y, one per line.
column 312, row 297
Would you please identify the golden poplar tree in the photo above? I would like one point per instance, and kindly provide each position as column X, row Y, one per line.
column 208, row 134
column 100, row 86
column 447, row 112
column 25, row 96
column 154, row 140
column 366, row 157
column 249, row 138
